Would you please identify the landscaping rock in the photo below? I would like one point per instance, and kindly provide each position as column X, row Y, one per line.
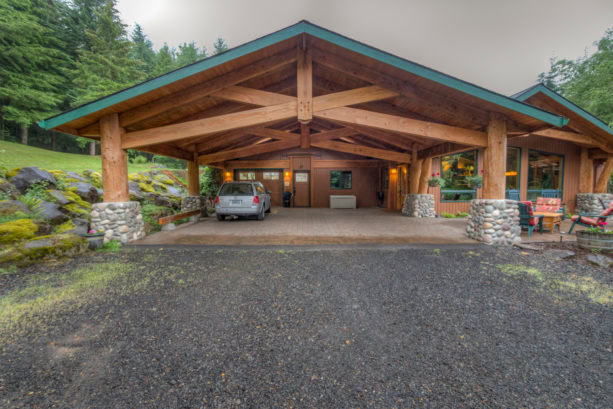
column 162, row 201
column 75, row 175
column 600, row 260
column 74, row 226
column 86, row 191
column 173, row 191
column 53, row 246
column 7, row 187
column 52, row 212
column 559, row 254
column 135, row 192
column 17, row 230
column 11, row 206
column 31, row 175
column 527, row 247
column 58, row 197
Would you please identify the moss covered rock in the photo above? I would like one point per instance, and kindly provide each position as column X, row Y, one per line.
column 8, row 207
column 146, row 187
column 17, row 230
column 96, row 179
column 12, row 173
column 43, row 247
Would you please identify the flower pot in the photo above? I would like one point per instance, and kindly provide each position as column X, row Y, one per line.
column 94, row 241
column 589, row 240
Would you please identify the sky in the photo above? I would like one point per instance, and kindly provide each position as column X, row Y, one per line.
column 501, row 45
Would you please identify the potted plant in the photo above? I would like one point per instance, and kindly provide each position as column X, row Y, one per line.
column 436, row 180
column 474, row 182
column 95, row 239
column 595, row 237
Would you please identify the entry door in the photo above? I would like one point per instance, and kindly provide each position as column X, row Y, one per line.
column 302, row 188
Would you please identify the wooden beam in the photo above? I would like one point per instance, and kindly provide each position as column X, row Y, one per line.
column 169, row 219
column 414, row 172
column 259, row 164
column 405, row 125
column 363, row 151
column 495, row 159
column 114, row 160
column 424, row 175
column 252, row 96
column 305, row 136
column 304, row 78
column 168, row 150
column 351, row 97
column 597, row 153
column 601, row 183
column 441, row 149
column 248, row 151
column 206, row 126
column 196, row 92
column 273, row 133
column 566, row 136
column 193, row 176
column 333, row 134
column 399, row 141
column 586, row 172
column 90, row 130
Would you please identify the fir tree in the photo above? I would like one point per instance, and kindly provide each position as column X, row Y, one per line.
column 220, row 46
column 189, row 54
column 164, row 60
column 142, row 50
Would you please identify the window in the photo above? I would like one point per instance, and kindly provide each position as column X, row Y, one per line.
column 340, row 179
column 236, row 189
column 544, row 173
column 246, row 175
column 513, row 158
column 454, row 171
column 271, row 175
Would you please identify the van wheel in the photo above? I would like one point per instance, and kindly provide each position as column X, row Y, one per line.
column 261, row 215
column 269, row 207
column 221, row 218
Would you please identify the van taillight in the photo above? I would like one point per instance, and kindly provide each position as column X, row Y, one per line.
column 256, row 199
column 216, row 199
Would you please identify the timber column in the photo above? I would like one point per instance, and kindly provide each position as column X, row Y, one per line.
column 118, row 217
column 193, row 200
column 590, row 198
column 418, row 203
column 494, row 219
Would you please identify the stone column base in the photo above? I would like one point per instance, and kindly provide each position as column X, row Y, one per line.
column 590, row 202
column 118, row 220
column 494, row 221
column 418, row 205
column 190, row 203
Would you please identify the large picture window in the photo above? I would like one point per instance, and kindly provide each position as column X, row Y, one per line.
column 545, row 173
column 340, row 179
column 513, row 173
column 454, row 171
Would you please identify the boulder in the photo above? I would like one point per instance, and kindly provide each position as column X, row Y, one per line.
column 600, row 260
column 162, row 201
column 17, row 230
column 75, row 175
column 557, row 254
column 31, row 175
column 135, row 192
column 75, row 226
column 58, row 197
column 86, row 191
column 52, row 212
column 7, row 187
column 173, row 191
column 39, row 248
column 11, row 206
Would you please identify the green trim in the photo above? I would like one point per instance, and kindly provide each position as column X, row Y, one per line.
column 524, row 95
column 321, row 33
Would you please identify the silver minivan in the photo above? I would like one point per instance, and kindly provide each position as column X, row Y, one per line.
column 242, row 199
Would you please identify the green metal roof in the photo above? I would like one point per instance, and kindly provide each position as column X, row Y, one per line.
column 321, row 33
column 535, row 89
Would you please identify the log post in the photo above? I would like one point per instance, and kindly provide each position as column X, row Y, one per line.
column 601, row 184
column 426, row 168
column 193, row 176
column 495, row 158
column 304, row 93
column 586, row 172
column 114, row 160
column 305, row 136
column 414, row 173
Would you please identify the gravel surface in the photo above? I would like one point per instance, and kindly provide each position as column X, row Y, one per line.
column 302, row 327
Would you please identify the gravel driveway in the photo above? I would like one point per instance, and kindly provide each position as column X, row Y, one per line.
column 340, row 327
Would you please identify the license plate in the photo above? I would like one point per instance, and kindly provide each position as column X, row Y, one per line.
column 235, row 202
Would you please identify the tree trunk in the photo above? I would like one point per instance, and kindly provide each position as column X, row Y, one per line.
column 24, row 133
column 92, row 148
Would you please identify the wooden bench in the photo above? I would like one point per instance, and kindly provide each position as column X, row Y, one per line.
column 169, row 219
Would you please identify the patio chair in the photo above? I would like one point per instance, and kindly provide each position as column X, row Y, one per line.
column 550, row 205
column 527, row 218
column 591, row 219
column 513, row 194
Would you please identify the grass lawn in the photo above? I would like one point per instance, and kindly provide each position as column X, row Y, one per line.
column 15, row 155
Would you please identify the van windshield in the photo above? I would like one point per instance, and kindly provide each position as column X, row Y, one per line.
column 236, row 189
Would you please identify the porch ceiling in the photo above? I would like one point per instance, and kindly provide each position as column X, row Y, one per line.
column 248, row 101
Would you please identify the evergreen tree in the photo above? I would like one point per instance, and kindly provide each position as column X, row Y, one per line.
column 142, row 50
column 220, row 46
column 106, row 67
column 32, row 62
column 164, row 60
column 189, row 54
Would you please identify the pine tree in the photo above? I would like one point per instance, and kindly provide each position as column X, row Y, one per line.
column 142, row 50
column 220, row 46
column 107, row 66
column 189, row 54
column 32, row 62
column 164, row 60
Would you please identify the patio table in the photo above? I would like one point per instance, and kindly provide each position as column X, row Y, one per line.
column 550, row 220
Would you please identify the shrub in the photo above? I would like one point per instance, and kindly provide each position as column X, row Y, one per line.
column 448, row 215
column 210, row 181
column 462, row 214
column 151, row 213
column 111, row 246
column 139, row 160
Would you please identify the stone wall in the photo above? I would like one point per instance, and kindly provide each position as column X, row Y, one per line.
column 590, row 203
column 418, row 205
column 494, row 221
column 190, row 203
column 118, row 220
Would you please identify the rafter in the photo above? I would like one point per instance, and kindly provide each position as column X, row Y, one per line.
column 253, row 96
column 572, row 137
column 441, row 149
column 209, row 125
column 332, row 134
column 248, row 151
column 304, row 81
column 363, row 151
column 405, row 125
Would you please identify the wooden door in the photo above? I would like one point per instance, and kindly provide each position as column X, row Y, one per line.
column 273, row 183
column 302, row 188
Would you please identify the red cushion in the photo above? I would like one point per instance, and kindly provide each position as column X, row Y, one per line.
column 548, row 201
column 585, row 220
column 528, row 207
column 534, row 221
column 607, row 212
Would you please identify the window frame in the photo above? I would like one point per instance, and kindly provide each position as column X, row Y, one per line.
column 350, row 179
column 472, row 192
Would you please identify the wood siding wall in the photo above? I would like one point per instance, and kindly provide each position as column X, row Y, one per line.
column 364, row 185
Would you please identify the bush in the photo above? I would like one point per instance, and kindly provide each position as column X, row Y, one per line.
column 210, row 181
column 170, row 163
column 139, row 160
column 448, row 215
column 151, row 213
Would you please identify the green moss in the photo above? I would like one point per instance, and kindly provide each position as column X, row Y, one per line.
column 74, row 208
column 17, row 230
column 64, row 227
column 159, row 186
column 515, row 270
column 164, row 179
column 12, row 173
column 75, row 198
column 96, row 179
column 55, row 245
column 146, row 187
column 138, row 177
column 58, row 174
